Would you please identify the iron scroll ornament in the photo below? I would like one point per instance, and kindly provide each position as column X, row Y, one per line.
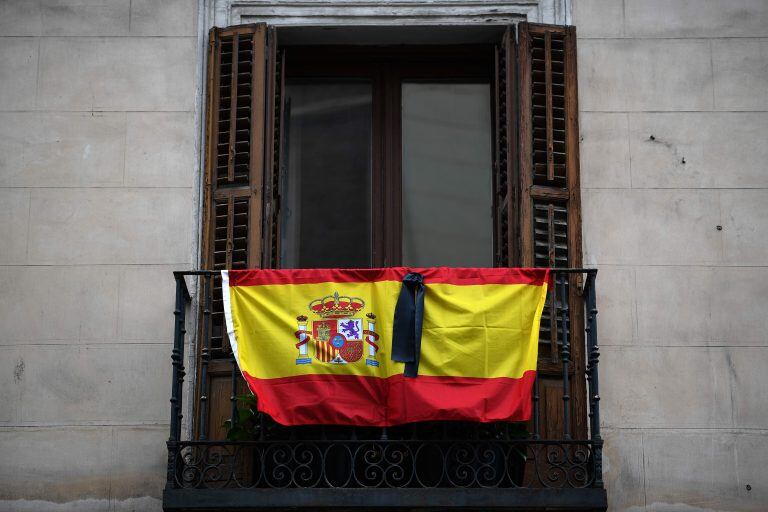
column 385, row 464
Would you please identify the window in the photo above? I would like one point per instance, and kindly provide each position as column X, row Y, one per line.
column 358, row 156
column 447, row 187
column 378, row 144
column 326, row 212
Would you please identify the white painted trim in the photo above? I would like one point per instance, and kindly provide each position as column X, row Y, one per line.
column 228, row 314
column 197, row 214
column 382, row 13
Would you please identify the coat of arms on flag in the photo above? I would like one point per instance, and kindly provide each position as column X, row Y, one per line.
column 338, row 335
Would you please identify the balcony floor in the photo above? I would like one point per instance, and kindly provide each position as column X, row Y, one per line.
column 588, row 499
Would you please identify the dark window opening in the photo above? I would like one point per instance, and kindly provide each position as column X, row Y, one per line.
column 446, row 183
column 387, row 157
column 326, row 210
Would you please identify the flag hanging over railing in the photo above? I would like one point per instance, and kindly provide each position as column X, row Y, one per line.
column 386, row 346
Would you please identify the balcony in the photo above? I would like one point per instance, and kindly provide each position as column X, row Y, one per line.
column 445, row 465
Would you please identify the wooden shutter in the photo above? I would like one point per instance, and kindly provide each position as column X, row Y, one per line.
column 232, row 202
column 240, row 117
column 505, row 187
column 549, row 221
column 273, row 174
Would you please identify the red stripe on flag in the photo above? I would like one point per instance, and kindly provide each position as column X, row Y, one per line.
column 374, row 401
column 455, row 276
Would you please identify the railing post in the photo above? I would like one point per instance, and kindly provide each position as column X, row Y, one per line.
column 562, row 281
column 592, row 377
column 233, row 396
column 205, row 355
column 536, row 411
column 177, row 359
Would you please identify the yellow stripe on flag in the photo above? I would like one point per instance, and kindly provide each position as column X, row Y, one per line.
column 481, row 331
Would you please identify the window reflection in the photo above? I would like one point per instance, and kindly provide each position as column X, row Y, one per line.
column 326, row 207
column 447, row 172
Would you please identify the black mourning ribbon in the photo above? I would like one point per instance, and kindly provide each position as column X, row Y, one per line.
column 406, row 329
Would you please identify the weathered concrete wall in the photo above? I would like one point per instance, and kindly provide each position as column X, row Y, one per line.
column 674, row 121
column 97, row 177
column 97, row 169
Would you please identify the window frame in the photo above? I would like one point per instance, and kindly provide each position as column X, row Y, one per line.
column 511, row 66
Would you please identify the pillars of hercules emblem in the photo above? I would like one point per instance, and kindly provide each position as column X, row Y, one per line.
column 303, row 343
column 371, row 337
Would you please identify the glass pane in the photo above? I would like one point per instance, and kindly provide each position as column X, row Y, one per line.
column 326, row 204
column 447, row 189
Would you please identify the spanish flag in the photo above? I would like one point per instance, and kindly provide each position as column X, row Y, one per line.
column 386, row 346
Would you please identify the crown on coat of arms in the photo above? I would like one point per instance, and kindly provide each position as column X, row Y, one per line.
column 336, row 306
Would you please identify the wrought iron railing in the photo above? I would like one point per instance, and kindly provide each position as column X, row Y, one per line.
column 445, row 464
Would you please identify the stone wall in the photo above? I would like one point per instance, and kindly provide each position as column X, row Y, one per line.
column 98, row 170
column 674, row 120
column 97, row 176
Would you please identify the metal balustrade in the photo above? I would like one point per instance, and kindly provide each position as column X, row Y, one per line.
column 434, row 465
